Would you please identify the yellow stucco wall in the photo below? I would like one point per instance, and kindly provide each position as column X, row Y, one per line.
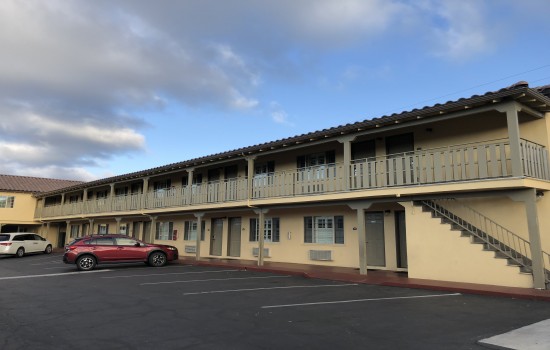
column 436, row 252
column 22, row 211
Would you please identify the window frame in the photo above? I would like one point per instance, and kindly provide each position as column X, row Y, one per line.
column 272, row 230
column 162, row 226
column 311, row 231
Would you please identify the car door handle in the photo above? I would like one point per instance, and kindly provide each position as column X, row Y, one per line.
column 119, row 248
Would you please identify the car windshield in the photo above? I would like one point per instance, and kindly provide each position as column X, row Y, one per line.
column 4, row 238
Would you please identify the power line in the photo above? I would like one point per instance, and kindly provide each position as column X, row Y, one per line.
column 477, row 86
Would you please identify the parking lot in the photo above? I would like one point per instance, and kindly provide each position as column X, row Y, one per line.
column 49, row 305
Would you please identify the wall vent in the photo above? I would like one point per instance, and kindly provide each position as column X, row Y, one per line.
column 321, row 255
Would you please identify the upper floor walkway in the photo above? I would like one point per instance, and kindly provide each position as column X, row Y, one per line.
column 452, row 164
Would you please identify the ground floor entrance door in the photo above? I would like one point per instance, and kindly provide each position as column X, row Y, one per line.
column 234, row 240
column 374, row 229
column 147, row 232
column 61, row 239
column 401, row 239
column 216, row 238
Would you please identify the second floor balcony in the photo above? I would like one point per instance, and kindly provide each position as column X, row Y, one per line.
column 458, row 163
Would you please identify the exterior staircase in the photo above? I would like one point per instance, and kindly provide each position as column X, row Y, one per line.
column 482, row 230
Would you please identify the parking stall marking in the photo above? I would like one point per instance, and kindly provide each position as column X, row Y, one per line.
column 269, row 288
column 213, row 279
column 52, row 274
column 171, row 273
column 360, row 300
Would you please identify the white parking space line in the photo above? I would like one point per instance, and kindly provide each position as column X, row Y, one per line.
column 48, row 262
column 269, row 288
column 360, row 300
column 52, row 274
column 171, row 273
column 213, row 279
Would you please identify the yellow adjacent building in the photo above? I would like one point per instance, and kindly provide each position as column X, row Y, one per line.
column 18, row 200
column 456, row 192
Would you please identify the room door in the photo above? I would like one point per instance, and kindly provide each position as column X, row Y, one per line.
column 234, row 241
column 374, row 230
column 216, row 238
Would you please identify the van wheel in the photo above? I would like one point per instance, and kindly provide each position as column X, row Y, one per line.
column 20, row 252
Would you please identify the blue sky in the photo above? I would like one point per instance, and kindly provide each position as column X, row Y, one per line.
column 91, row 89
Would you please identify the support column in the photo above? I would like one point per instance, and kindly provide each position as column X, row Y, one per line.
column 529, row 198
column 191, row 174
column 261, row 232
column 512, row 122
column 199, row 217
column 91, row 226
column 347, row 160
column 118, row 224
column 360, row 207
column 250, row 176
column 69, row 231
column 152, row 234
column 144, row 192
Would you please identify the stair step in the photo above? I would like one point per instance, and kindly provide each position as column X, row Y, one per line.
column 477, row 240
column 489, row 247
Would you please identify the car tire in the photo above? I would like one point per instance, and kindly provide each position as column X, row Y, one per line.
column 86, row 263
column 20, row 252
column 48, row 249
column 157, row 259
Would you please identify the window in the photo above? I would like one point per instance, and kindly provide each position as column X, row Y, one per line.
column 101, row 241
column 160, row 187
column 74, row 198
column 316, row 159
column 103, row 229
column 164, row 231
column 324, row 229
column 123, row 229
column 190, row 231
column 74, row 231
column 317, row 166
column 121, row 191
column 126, row 242
column 271, row 230
column 263, row 173
column 6, row 201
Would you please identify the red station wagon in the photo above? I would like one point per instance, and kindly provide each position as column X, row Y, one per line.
column 89, row 251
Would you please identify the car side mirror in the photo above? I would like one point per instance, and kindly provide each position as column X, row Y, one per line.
column 137, row 244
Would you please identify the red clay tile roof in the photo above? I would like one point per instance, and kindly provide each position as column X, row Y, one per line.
column 33, row 184
column 537, row 98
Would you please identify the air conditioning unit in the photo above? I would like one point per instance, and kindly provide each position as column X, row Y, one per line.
column 256, row 252
column 190, row 249
column 320, row 255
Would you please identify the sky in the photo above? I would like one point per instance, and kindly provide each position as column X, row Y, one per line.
column 93, row 89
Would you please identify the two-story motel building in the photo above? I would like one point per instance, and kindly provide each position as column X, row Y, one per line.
column 452, row 192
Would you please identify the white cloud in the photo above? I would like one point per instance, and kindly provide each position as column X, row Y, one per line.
column 460, row 30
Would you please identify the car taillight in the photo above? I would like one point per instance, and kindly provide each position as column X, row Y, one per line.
column 7, row 244
column 72, row 247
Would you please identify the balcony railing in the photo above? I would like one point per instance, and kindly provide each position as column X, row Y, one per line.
column 476, row 161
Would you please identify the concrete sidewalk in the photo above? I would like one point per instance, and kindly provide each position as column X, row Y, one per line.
column 377, row 277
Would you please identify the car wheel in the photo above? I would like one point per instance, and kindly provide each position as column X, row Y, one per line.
column 20, row 252
column 48, row 249
column 86, row 263
column 157, row 259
